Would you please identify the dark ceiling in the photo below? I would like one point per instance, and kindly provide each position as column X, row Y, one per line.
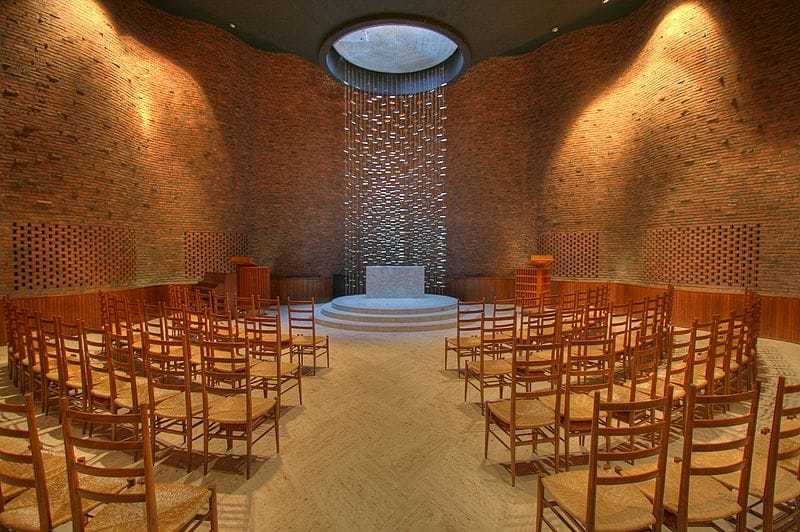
column 490, row 28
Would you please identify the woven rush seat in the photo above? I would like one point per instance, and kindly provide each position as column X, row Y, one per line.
column 622, row 393
column 468, row 342
column 581, row 406
column 619, row 346
column 53, row 463
column 709, row 499
column 22, row 513
column 787, row 486
column 490, row 367
column 174, row 407
column 269, row 369
column 177, row 505
column 618, row 507
column 233, row 410
column 73, row 376
column 304, row 340
column 530, row 413
column 678, row 391
column 267, row 338
column 124, row 399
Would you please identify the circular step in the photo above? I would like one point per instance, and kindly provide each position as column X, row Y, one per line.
column 360, row 313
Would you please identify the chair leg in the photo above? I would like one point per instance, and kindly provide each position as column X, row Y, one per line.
column 300, row 385
column 188, row 432
column 466, row 376
column 486, row 436
column 213, row 515
column 539, row 505
column 513, row 461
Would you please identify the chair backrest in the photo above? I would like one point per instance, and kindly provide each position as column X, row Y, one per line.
column 47, row 341
column 122, row 365
column 301, row 318
column 542, row 326
column 653, row 429
column 680, row 365
column 225, row 369
column 222, row 327
column 70, row 351
column 619, row 326
column 703, row 345
column 572, row 321
column 595, row 323
column 268, row 306
column 95, row 355
column 109, row 482
column 644, row 364
column 588, row 367
column 167, row 367
column 30, row 461
column 175, row 322
column 469, row 319
column 707, row 449
column 264, row 335
column 784, row 443
column 153, row 321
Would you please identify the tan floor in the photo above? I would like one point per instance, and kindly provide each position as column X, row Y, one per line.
column 383, row 442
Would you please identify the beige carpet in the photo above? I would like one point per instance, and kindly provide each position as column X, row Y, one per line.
column 382, row 442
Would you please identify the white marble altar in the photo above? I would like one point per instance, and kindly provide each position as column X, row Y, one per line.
column 395, row 281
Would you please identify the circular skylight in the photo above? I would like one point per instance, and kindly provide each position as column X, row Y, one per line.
column 395, row 48
column 394, row 56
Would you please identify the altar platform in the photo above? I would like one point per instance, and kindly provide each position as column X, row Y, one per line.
column 395, row 302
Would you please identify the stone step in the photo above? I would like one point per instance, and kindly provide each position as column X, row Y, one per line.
column 334, row 313
column 384, row 327
column 430, row 304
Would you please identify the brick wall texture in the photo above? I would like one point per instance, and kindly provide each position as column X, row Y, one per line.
column 684, row 113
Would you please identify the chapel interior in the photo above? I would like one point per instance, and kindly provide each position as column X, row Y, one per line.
column 400, row 265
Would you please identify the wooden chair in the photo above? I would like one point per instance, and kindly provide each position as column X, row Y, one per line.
column 33, row 493
column 178, row 401
column 70, row 372
column 131, row 498
column 96, row 369
column 231, row 409
column 12, row 314
column 490, row 370
column 775, row 474
column 588, row 367
column 524, row 419
column 542, row 327
column 692, row 494
column 303, row 334
column 467, row 343
column 46, row 372
column 602, row 498
column 264, row 335
column 619, row 320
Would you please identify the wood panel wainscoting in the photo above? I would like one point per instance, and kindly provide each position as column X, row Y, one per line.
column 320, row 288
column 85, row 305
column 780, row 315
column 473, row 288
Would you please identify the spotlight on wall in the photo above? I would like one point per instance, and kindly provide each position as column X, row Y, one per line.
column 555, row 29
column 232, row 25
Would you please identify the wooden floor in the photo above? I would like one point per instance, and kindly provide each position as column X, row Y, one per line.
column 383, row 442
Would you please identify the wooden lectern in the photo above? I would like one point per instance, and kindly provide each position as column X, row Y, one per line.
column 252, row 280
column 532, row 281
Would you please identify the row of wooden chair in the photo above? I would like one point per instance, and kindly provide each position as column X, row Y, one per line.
column 41, row 490
column 726, row 471
column 194, row 371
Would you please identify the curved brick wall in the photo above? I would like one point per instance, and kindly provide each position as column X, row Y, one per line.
column 683, row 113
column 116, row 114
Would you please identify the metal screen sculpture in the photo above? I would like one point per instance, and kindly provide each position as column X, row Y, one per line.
column 395, row 153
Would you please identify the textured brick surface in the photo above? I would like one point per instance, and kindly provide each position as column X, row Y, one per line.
column 116, row 114
column 683, row 113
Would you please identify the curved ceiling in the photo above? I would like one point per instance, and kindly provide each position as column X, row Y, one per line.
column 503, row 27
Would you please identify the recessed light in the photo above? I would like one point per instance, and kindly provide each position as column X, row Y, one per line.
column 232, row 25
column 605, row 1
column 555, row 29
